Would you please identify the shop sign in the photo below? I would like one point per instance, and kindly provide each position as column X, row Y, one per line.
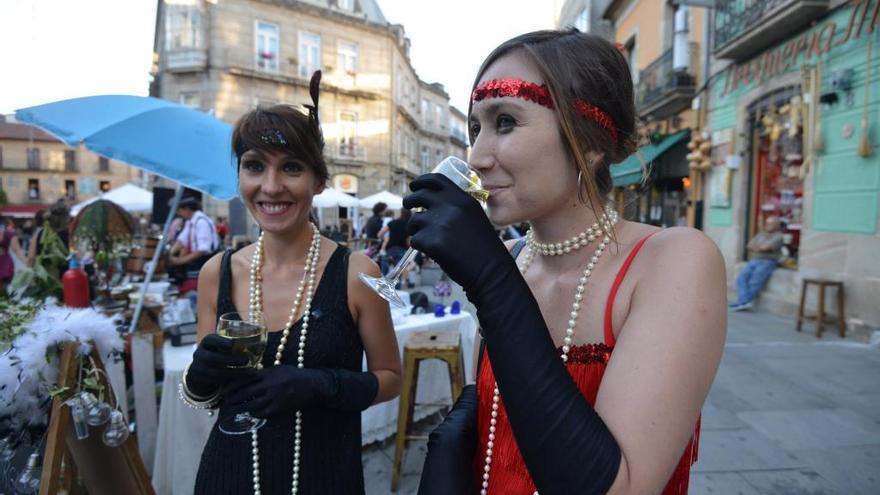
column 346, row 183
column 865, row 16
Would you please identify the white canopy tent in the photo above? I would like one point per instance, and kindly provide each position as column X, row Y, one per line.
column 330, row 198
column 130, row 197
column 393, row 201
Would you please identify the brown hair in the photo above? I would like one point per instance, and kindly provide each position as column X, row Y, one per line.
column 577, row 65
column 301, row 132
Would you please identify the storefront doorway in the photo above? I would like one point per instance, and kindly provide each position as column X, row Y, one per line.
column 776, row 185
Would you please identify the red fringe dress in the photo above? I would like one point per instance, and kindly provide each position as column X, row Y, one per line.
column 586, row 365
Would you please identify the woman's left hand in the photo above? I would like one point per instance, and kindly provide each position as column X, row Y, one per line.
column 280, row 389
column 454, row 231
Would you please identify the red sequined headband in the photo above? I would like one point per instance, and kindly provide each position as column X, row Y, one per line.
column 517, row 88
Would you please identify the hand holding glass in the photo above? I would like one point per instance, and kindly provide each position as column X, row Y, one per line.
column 462, row 176
column 248, row 334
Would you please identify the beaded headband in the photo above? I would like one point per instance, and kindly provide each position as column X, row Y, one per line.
column 517, row 88
column 275, row 137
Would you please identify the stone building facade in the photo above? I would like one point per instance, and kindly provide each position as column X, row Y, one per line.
column 228, row 57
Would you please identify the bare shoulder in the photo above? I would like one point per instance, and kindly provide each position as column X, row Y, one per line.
column 360, row 263
column 210, row 272
column 676, row 244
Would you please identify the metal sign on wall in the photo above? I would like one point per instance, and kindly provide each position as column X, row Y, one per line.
column 864, row 17
column 346, row 183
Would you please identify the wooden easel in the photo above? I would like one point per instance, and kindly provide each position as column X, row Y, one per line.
column 102, row 469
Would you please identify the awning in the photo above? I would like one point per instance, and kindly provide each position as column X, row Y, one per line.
column 22, row 211
column 629, row 171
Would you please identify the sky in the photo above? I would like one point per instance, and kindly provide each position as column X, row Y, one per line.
column 57, row 49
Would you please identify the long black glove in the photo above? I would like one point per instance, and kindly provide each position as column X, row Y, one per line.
column 213, row 365
column 284, row 388
column 566, row 446
column 449, row 465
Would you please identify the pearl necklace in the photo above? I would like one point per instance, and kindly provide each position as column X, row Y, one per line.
column 256, row 307
column 608, row 222
column 583, row 239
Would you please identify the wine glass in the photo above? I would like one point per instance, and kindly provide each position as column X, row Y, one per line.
column 456, row 170
column 248, row 334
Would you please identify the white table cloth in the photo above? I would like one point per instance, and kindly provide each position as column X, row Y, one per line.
column 183, row 431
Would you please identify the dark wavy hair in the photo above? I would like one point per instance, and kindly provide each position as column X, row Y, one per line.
column 577, row 65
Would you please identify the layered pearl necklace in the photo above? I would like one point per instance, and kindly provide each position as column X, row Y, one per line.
column 609, row 220
column 256, row 307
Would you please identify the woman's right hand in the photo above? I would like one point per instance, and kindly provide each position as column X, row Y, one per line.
column 454, row 231
column 214, row 365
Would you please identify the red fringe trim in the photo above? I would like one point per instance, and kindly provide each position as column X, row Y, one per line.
column 509, row 475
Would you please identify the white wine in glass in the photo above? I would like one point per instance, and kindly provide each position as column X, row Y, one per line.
column 456, row 170
column 248, row 334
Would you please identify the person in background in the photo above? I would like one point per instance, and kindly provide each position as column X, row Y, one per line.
column 374, row 223
column 27, row 231
column 9, row 247
column 222, row 230
column 195, row 244
column 395, row 242
column 34, row 242
column 764, row 250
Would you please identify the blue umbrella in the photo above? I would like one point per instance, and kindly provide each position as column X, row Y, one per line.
column 161, row 137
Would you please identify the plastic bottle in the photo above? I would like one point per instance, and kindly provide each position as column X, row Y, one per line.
column 75, row 284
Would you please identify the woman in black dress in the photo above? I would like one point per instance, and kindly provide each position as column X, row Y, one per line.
column 311, row 388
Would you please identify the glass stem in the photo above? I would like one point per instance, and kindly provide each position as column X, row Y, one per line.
column 394, row 274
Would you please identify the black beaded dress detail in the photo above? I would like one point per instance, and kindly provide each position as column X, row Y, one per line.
column 331, row 439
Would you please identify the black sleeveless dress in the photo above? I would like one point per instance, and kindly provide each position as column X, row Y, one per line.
column 330, row 461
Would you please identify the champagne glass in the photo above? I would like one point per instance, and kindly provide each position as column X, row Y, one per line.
column 248, row 334
column 462, row 176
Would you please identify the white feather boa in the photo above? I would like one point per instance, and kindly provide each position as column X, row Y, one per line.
column 29, row 369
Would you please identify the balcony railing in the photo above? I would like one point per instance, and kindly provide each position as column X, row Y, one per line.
column 352, row 152
column 186, row 60
column 744, row 27
column 664, row 90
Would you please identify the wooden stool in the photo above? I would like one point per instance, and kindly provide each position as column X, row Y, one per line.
column 445, row 346
column 820, row 316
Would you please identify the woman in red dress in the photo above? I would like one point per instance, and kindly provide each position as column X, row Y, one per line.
column 602, row 336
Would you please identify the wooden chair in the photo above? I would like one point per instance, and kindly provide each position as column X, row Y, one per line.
column 820, row 312
column 445, row 346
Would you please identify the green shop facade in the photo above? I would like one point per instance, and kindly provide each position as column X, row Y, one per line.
column 789, row 124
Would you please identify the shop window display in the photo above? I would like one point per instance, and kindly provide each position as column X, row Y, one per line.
column 777, row 184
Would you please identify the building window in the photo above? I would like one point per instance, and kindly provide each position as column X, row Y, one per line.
column 346, row 4
column 632, row 56
column 582, row 22
column 104, row 185
column 439, row 114
column 182, row 27
column 191, row 99
column 438, row 157
column 309, row 53
column 70, row 189
column 267, row 46
column 33, row 189
column 33, row 158
column 426, row 158
column 103, row 164
column 347, row 134
column 427, row 112
column 70, row 160
column 347, row 57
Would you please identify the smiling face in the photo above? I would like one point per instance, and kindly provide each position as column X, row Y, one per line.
column 277, row 188
column 518, row 150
